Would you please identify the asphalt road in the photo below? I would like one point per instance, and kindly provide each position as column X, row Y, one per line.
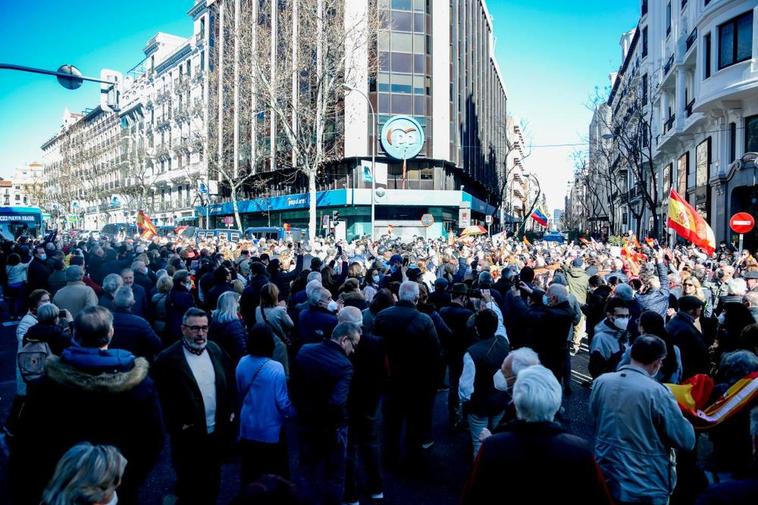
column 440, row 482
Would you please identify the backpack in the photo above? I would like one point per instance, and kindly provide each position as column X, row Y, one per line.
column 31, row 360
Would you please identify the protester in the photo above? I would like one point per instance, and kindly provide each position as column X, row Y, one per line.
column 200, row 425
column 59, row 411
column 227, row 329
column 635, row 415
column 86, row 475
column 75, row 295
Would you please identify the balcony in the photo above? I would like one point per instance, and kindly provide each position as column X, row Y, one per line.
column 668, row 65
column 689, row 107
column 691, row 39
column 163, row 123
column 669, row 124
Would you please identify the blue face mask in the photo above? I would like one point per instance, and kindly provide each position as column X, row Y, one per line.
column 43, row 257
column 375, row 278
column 545, row 300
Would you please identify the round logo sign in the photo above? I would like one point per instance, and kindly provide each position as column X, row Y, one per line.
column 427, row 220
column 402, row 137
column 742, row 222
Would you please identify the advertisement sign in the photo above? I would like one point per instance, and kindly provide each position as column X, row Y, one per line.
column 464, row 218
column 402, row 137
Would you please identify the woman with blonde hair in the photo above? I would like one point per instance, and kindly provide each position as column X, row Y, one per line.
column 86, row 475
column 227, row 328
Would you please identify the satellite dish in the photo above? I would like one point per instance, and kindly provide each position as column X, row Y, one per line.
column 72, row 82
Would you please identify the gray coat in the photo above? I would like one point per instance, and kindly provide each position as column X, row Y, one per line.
column 637, row 423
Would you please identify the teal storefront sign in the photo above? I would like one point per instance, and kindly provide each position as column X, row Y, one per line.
column 402, row 137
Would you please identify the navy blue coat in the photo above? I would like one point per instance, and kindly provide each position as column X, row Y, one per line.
column 140, row 307
column 231, row 337
column 251, row 298
column 134, row 334
column 315, row 324
column 179, row 300
column 321, row 380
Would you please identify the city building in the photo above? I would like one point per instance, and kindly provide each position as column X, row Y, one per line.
column 691, row 68
column 435, row 62
column 515, row 182
column 28, row 184
column 6, row 192
column 102, row 167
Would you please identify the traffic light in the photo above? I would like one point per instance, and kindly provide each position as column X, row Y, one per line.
column 335, row 216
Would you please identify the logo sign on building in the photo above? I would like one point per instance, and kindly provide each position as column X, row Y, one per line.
column 488, row 219
column 402, row 137
column 742, row 223
column 464, row 218
column 427, row 220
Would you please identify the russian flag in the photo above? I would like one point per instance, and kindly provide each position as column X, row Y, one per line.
column 541, row 218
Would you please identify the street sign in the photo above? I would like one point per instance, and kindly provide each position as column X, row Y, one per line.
column 325, row 221
column 427, row 220
column 488, row 219
column 742, row 223
column 464, row 218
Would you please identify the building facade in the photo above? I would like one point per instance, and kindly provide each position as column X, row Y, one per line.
column 434, row 62
column 693, row 66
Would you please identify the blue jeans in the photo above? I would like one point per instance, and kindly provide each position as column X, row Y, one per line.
column 477, row 423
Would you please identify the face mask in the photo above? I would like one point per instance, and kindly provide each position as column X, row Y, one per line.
column 621, row 323
column 375, row 278
column 500, row 382
column 188, row 285
column 113, row 500
column 546, row 300
column 332, row 307
column 43, row 257
column 722, row 319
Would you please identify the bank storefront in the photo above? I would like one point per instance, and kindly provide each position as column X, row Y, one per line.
column 400, row 209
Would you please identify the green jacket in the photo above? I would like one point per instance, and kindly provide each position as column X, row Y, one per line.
column 578, row 282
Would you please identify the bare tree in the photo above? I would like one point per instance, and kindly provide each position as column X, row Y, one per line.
column 630, row 146
column 278, row 89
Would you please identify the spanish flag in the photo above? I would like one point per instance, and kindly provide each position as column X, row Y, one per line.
column 688, row 224
column 694, row 394
column 145, row 226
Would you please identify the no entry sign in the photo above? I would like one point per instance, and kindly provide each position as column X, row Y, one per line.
column 742, row 222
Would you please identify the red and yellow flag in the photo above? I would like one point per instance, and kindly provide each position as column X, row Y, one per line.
column 145, row 226
column 688, row 224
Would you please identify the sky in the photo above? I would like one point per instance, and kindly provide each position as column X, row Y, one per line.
column 552, row 55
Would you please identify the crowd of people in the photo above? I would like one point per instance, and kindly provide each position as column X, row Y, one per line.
column 222, row 346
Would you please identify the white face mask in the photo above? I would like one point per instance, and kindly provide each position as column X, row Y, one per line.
column 621, row 323
column 500, row 382
column 332, row 307
column 113, row 500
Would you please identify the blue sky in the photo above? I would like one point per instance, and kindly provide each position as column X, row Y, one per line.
column 552, row 54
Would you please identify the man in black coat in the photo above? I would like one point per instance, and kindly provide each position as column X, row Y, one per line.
column 321, row 378
column 688, row 338
column 283, row 279
column 39, row 271
column 178, row 302
column 91, row 393
column 131, row 332
column 413, row 357
column 534, row 460
column 197, row 387
column 456, row 316
column 251, row 296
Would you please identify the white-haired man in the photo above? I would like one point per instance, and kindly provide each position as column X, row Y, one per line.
column 534, row 460
column 413, row 356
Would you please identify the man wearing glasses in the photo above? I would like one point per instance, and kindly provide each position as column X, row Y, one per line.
column 196, row 383
column 321, row 378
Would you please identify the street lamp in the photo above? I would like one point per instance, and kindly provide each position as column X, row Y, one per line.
column 373, row 153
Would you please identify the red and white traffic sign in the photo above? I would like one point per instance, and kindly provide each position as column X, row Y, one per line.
column 742, row 222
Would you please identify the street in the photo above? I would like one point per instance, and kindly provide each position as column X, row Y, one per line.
column 440, row 483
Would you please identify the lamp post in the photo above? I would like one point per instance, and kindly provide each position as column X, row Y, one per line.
column 373, row 153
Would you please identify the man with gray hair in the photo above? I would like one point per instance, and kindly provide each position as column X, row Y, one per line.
column 75, row 296
column 321, row 377
column 90, row 392
column 634, row 416
column 317, row 321
column 534, row 460
column 130, row 331
column 111, row 283
column 413, row 356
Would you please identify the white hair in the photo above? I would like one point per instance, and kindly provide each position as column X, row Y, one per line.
column 522, row 358
column 559, row 291
column 312, row 286
column 314, row 276
column 227, row 307
column 409, row 292
column 536, row 395
column 736, row 286
column 112, row 282
column 350, row 314
column 123, row 297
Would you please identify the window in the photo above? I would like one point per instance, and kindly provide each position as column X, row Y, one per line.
column 644, row 42
column 707, row 55
column 736, row 40
column 681, row 174
column 668, row 19
column 751, row 134
column 732, row 141
column 667, row 173
column 644, row 89
column 702, row 162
